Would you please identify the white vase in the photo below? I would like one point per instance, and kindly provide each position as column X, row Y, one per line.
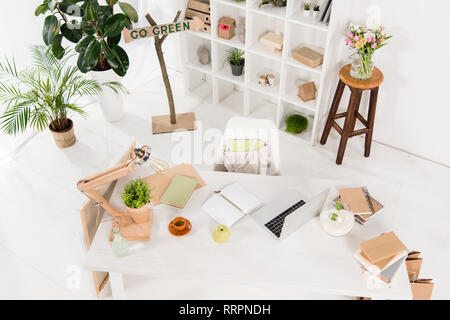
column 111, row 103
column 337, row 222
column 315, row 13
column 306, row 13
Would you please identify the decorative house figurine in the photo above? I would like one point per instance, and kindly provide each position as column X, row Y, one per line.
column 307, row 91
column 227, row 28
column 204, row 55
column 273, row 41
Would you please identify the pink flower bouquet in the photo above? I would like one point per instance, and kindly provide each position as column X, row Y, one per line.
column 366, row 41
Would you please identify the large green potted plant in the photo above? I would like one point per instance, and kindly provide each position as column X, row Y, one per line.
column 44, row 95
column 96, row 30
column 137, row 197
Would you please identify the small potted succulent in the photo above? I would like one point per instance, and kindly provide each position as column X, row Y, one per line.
column 237, row 61
column 137, row 198
column 296, row 123
column 316, row 10
column 306, row 9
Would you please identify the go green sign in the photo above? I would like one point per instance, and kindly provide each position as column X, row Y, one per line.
column 161, row 30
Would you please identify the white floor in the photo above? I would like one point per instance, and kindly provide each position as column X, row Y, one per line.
column 41, row 240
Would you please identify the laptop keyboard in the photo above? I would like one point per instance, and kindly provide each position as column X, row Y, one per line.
column 276, row 224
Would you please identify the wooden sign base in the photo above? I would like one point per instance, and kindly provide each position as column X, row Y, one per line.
column 133, row 231
column 185, row 122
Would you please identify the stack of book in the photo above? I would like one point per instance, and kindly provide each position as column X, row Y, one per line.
column 360, row 202
column 382, row 256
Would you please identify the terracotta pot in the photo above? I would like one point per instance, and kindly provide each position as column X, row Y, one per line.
column 66, row 138
column 139, row 215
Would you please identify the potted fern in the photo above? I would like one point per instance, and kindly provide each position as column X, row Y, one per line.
column 237, row 61
column 137, row 197
column 44, row 95
column 95, row 30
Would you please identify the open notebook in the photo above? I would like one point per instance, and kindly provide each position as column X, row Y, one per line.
column 231, row 204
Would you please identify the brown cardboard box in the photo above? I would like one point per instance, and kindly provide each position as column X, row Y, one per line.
column 308, row 56
column 307, row 91
column 227, row 27
column 273, row 41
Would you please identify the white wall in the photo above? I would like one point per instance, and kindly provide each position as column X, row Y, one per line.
column 413, row 105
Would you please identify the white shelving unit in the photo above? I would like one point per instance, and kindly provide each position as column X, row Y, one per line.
column 275, row 103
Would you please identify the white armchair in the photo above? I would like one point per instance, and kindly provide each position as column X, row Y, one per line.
column 250, row 128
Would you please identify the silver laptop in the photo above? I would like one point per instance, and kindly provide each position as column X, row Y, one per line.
column 288, row 211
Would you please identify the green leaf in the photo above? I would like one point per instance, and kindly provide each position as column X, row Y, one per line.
column 82, row 45
column 52, row 4
column 114, row 25
column 91, row 13
column 72, row 32
column 112, row 58
column 41, row 9
column 122, row 68
column 92, row 54
column 50, row 29
column 69, row 7
column 114, row 41
column 81, row 63
column 57, row 48
column 129, row 11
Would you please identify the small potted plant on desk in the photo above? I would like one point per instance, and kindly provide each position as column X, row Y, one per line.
column 237, row 61
column 137, row 198
column 43, row 96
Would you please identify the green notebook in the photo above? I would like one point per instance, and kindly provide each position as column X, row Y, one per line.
column 179, row 191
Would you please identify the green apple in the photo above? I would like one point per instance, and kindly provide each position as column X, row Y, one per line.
column 221, row 234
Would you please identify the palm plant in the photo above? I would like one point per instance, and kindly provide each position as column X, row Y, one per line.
column 43, row 95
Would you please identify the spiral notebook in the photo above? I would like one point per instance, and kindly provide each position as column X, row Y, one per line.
column 360, row 202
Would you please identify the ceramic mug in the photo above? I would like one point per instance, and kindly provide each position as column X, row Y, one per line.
column 179, row 224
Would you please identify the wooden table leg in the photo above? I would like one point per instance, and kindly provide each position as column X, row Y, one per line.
column 334, row 106
column 371, row 120
column 355, row 99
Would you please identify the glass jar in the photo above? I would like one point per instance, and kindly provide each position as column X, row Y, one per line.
column 119, row 244
column 362, row 67
column 336, row 221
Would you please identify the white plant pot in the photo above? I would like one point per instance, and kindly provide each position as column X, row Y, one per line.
column 306, row 13
column 110, row 102
column 315, row 13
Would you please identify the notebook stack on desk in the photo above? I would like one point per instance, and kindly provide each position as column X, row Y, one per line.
column 360, row 202
column 382, row 256
column 421, row 288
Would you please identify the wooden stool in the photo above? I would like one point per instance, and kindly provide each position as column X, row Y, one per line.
column 357, row 87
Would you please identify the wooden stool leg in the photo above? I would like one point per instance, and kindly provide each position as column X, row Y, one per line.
column 355, row 99
column 334, row 106
column 371, row 120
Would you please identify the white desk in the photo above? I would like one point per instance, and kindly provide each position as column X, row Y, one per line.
column 309, row 259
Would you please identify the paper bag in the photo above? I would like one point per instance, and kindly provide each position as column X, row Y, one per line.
column 422, row 289
column 413, row 266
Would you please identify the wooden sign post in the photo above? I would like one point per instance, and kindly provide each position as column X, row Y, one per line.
column 172, row 122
